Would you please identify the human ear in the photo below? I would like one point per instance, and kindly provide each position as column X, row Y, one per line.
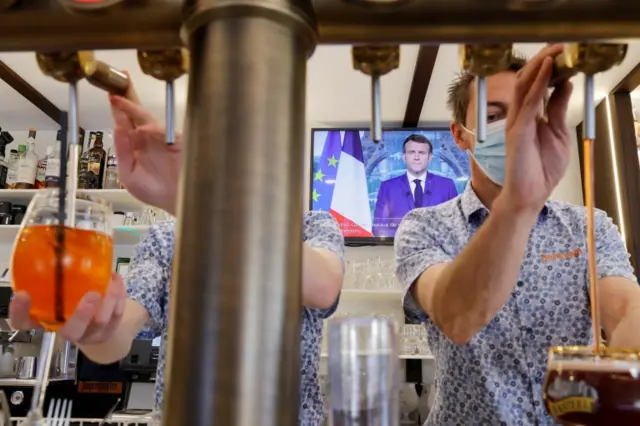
column 460, row 136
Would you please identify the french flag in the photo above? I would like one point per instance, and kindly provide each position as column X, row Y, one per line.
column 350, row 201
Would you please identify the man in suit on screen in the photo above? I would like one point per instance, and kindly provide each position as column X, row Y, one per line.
column 414, row 189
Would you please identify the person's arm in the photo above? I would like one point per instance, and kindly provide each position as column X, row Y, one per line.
column 147, row 283
column 461, row 295
column 119, row 344
column 619, row 293
column 322, row 262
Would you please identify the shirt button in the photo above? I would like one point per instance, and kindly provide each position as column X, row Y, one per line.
column 520, row 283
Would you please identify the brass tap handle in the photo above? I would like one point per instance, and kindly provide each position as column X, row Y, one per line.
column 484, row 60
column 587, row 58
column 376, row 61
column 167, row 65
column 106, row 77
column 66, row 67
column 72, row 67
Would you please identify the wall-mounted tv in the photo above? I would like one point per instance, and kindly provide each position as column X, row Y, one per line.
column 370, row 187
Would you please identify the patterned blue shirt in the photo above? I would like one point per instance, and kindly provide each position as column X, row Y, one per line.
column 497, row 378
column 149, row 280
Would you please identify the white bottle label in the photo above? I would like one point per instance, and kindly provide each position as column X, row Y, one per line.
column 26, row 172
column 53, row 168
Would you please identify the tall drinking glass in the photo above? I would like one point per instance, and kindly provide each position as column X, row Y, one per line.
column 590, row 387
column 57, row 265
column 364, row 372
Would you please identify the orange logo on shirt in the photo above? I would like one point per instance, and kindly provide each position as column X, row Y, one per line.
column 553, row 257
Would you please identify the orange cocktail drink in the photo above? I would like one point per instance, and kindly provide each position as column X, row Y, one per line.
column 57, row 265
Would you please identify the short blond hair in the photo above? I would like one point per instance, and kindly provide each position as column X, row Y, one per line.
column 458, row 92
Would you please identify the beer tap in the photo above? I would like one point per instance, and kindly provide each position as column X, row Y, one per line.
column 68, row 67
column 166, row 65
column 590, row 59
column 376, row 61
column 484, row 60
column 586, row 58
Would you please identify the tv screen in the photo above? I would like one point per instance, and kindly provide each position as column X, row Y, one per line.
column 370, row 187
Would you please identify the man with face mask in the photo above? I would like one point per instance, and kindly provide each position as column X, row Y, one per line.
column 499, row 274
column 414, row 189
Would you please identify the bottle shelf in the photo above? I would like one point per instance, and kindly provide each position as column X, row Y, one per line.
column 120, row 199
column 127, row 235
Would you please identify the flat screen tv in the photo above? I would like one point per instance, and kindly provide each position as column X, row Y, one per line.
column 370, row 187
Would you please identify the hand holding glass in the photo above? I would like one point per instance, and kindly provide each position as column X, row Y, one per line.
column 55, row 265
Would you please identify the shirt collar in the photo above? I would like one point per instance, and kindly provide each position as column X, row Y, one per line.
column 472, row 207
column 411, row 177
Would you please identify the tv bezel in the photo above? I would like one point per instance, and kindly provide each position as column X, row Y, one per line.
column 361, row 241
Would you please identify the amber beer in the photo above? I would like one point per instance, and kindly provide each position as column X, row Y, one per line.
column 591, row 389
column 86, row 267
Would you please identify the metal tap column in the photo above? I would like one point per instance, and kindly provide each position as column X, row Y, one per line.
column 234, row 339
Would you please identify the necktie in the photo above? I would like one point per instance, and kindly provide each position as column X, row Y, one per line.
column 418, row 193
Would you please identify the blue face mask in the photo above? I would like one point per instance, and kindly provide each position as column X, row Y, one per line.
column 491, row 155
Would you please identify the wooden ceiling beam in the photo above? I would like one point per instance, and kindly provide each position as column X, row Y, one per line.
column 422, row 73
column 20, row 85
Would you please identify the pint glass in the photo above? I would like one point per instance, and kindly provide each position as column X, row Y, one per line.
column 364, row 372
column 590, row 387
column 57, row 265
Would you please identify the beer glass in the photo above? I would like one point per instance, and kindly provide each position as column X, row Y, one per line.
column 591, row 387
column 57, row 265
column 364, row 372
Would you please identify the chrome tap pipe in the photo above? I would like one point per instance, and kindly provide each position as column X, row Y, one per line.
column 236, row 306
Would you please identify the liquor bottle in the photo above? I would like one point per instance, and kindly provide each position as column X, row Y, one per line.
column 52, row 175
column 83, row 167
column 14, row 157
column 111, row 180
column 41, row 172
column 28, row 164
column 5, row 139
column 80, row 151
column 96, row 163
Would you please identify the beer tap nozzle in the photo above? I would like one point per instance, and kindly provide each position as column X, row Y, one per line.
column 166, row 65
column 376, row 61
column 589, row 107
column 484, row 60
column 68, row 67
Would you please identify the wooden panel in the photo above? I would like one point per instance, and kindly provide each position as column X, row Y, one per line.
column 422, row 73
column 617, row 170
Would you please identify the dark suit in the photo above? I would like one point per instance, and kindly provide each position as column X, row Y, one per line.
column 395, row 200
